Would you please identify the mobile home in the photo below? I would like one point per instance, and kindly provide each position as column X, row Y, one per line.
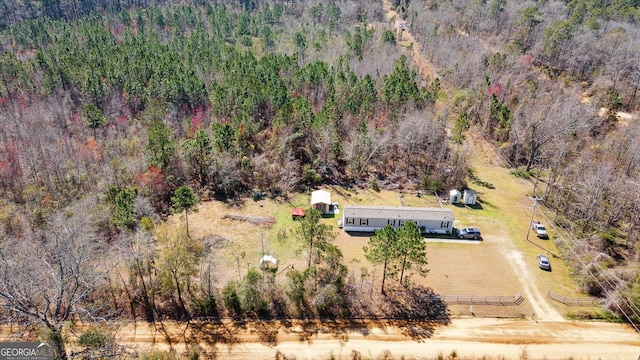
column 371, row 218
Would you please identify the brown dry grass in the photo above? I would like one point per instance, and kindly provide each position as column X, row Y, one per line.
column 244, row 245
column 455, row 268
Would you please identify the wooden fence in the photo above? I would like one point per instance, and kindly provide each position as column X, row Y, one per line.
column 572, row 301
column 482, row 300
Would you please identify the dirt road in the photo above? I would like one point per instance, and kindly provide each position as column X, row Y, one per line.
column 468, row 338
column 427, row 70
column 542, row 310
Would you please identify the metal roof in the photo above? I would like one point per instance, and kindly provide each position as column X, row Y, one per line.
column 397, row 212
column 297, row 212
column 320, row 197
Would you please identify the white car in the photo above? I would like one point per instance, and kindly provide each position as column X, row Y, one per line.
column 539, row 229
column 543, row 262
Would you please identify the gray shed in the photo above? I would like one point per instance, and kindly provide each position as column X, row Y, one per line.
column 469, row 197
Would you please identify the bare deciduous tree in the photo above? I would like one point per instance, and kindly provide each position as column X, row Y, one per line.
column 225, row 176
column 326, row 144
column 290, row 174
column 363, row 148
column 177, row 264
column 413, row 138
column 626, row 149
column 549, row 118
column 591, row 184
column 140, row 256
column 46, row 278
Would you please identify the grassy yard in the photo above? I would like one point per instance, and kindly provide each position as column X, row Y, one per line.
column 464, row 268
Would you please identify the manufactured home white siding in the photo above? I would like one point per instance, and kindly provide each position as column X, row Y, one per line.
column 371, row 218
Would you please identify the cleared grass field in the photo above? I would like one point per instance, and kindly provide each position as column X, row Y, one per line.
column 456, row 268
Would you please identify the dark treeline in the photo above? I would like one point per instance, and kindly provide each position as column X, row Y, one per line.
column 13, row 12
column 212, row 101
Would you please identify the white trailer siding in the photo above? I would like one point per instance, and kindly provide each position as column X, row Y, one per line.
column 371, row 218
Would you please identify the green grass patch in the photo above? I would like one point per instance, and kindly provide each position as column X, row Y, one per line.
column 280, row 238
column 598, row 315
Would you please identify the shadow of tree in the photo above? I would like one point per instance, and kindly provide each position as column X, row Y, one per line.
column 160, row 327
column 213, row 332
column 416, row 311
column 308, row 329
column 476, row 180
column 418, row 330
column 268, row 333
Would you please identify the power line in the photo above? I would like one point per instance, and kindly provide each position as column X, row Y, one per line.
column 600, row 270
column 533, row 211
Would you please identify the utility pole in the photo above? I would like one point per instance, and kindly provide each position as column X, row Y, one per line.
column 261, row 262
column 533, row 211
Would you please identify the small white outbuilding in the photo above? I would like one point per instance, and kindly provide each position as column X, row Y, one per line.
column 454, row 196
column 469, row 197
column 268, row 262
column 321, row 200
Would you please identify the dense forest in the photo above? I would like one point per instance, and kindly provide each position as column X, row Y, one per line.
column 116, row 113
column 114, row 120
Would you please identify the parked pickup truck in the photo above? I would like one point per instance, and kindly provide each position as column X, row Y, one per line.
column 539, row 229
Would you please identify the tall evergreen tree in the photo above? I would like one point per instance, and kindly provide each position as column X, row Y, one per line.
column 160, row 145
column 184, row 200
column 412, row 250
column 382, row 249
column 313, row 234
column 198, row 153
column 93, row 117
column 124, row 212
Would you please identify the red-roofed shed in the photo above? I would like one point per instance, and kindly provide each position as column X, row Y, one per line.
column 296, row 213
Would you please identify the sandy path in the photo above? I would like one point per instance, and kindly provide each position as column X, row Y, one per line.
column 507, row 339
column 542, row 310
column 427, row 70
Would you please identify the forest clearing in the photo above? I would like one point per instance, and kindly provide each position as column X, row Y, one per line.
column 152, row 151
column 538, row 327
